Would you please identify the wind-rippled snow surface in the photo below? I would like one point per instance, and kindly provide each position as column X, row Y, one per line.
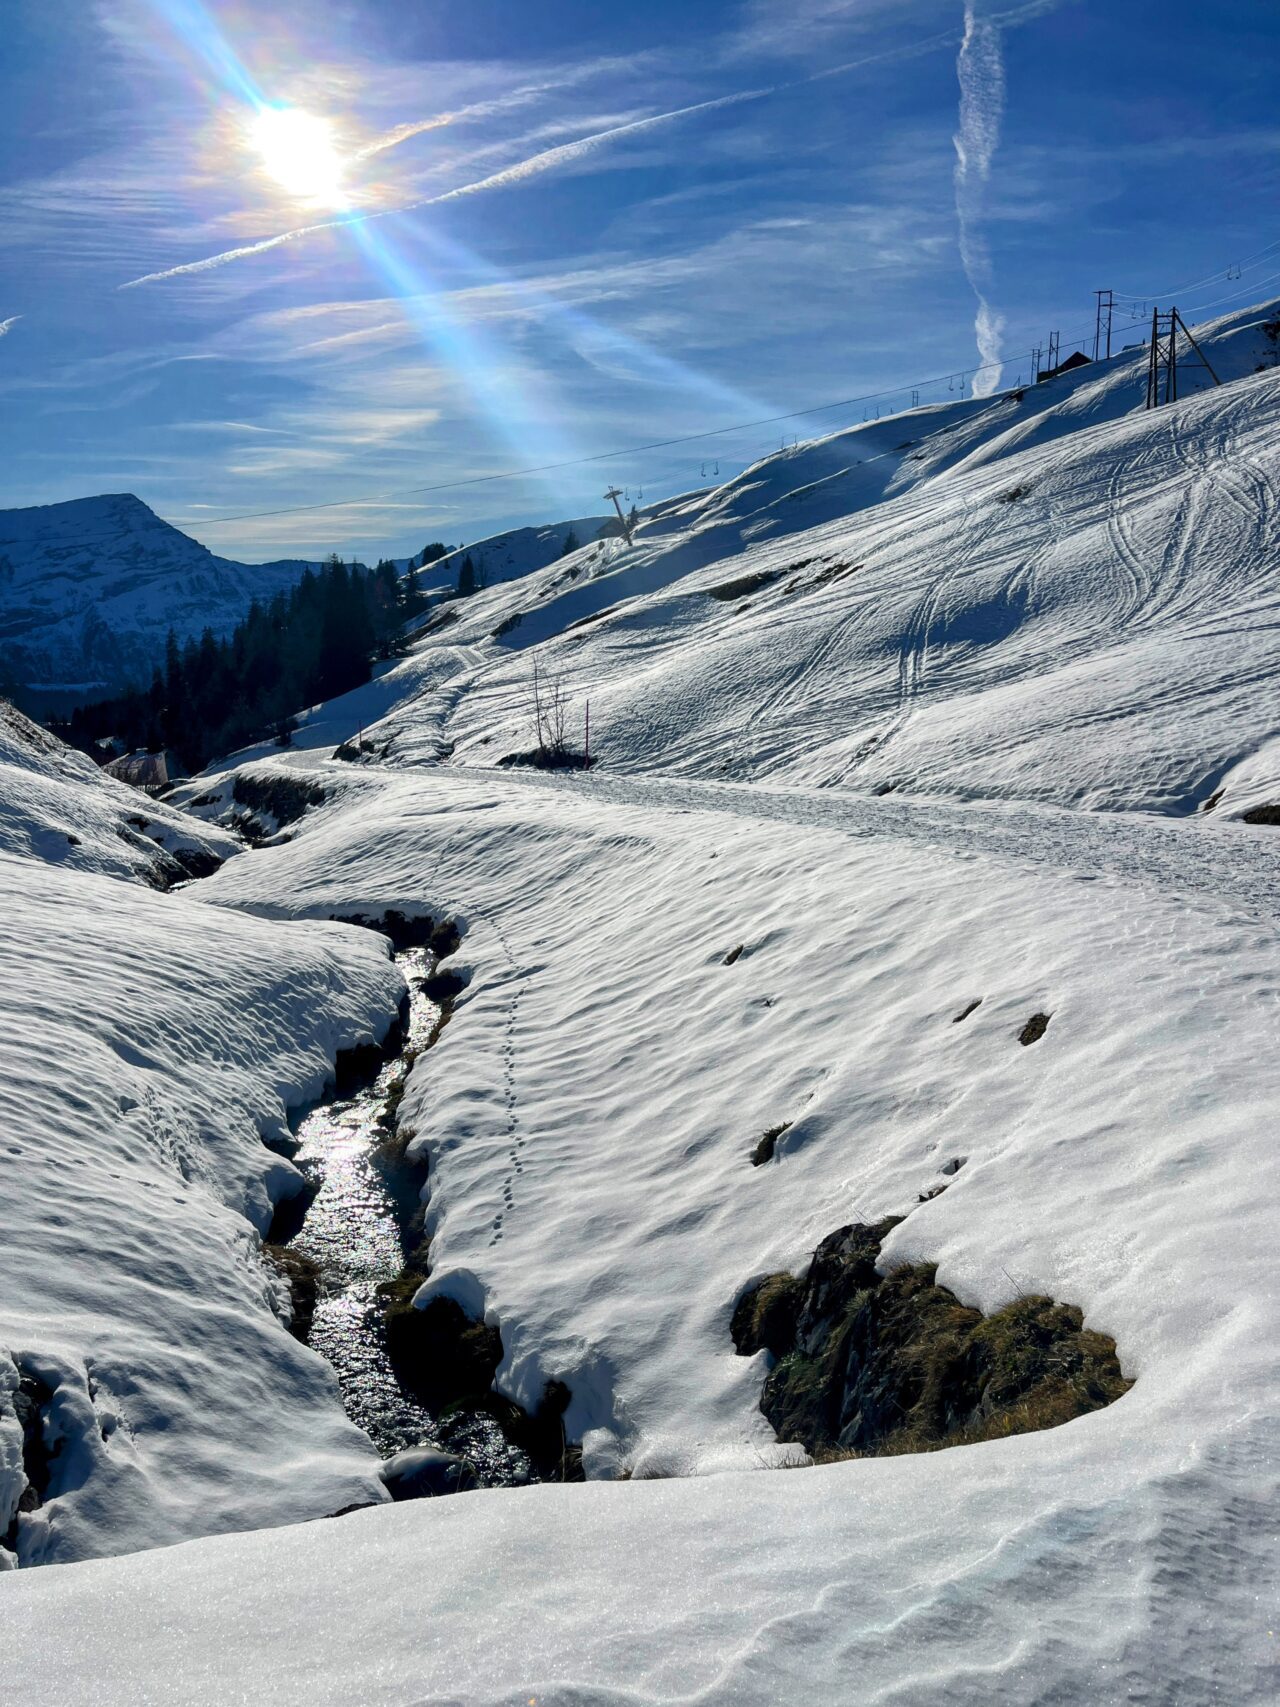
column 1019, row 608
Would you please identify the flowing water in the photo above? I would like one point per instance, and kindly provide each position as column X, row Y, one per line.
column 355, row 1231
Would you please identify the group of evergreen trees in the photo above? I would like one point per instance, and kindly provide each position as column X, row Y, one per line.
column 306, row 645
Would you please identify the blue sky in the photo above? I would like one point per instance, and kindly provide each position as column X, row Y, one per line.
column 531, row 249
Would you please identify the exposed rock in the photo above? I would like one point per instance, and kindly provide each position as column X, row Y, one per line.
column 422, row 1472
column 1034, row 1029
column 872, row 1363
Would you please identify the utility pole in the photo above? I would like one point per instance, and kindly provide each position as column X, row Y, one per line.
column 1162, row 363
column 615, row 494
column 1055, row 353
column 1102, row 322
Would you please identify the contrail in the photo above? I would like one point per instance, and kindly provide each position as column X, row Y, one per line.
column 567, row 152
column 551, row 158
column 5, row 325
column 980, row 68
column 536, row 164
column 402, row 133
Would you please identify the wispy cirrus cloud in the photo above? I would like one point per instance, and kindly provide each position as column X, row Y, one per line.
column 7, row 326
column 548, row 160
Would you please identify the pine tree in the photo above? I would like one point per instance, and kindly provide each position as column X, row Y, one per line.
column 571, row 543
column 466, row 578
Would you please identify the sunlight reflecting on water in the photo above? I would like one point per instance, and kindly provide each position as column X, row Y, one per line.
column 353, row 1230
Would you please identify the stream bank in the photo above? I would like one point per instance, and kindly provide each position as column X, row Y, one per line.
column 352, row 1249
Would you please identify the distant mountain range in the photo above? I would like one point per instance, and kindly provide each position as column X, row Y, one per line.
column 89, row 590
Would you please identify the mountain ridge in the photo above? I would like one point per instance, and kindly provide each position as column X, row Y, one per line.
column 90, row 587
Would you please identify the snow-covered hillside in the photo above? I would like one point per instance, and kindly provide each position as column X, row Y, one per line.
column 1051, row 595
column 504, row 557
column 831, row 883
column 57, row 806
column 89, row 589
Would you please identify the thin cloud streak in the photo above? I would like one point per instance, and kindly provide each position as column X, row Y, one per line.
column 980, row 69
column 9, row 324
column 568, row 152
column 547, row 160
column 461, row 115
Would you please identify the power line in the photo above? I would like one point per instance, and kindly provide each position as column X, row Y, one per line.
column 599, row 456
column 911, row 387
column 1186, row 290
column 672, row 443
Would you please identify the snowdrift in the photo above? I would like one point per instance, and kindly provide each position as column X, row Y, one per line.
column 57, row 805
column 148, row 1047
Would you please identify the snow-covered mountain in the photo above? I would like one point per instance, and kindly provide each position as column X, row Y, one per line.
column 89, row 589
column 842, row 878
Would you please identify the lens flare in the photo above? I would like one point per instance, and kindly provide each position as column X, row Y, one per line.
column 297, row 149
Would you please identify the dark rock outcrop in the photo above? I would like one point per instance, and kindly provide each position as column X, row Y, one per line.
column 884, row 1363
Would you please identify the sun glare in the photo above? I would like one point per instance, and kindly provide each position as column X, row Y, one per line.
column 298, row 151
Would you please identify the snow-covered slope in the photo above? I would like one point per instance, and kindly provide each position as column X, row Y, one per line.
column 148, row 1045
column 89, row 590
column 57, row 805
column 509, row 556
column 590, row 1113
column 1052, row 595
column 821, row 880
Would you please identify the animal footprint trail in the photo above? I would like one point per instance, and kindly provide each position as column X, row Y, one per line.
column 515, row 1137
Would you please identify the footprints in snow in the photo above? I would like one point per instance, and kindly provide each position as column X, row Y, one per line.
column 515, row 1137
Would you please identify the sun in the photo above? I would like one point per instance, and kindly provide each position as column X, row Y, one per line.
column 297, row 150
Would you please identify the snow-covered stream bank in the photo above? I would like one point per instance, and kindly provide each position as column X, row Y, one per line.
column 358, row 1235
column 150, row 1048
column 353, row 1231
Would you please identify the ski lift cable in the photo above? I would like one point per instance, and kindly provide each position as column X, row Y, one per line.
column 597, row 456
column 900, row 390
column 1203, row 308
column 1209, row 279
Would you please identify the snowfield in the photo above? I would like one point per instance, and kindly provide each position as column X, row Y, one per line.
column 849, row 711
column 148, row 1045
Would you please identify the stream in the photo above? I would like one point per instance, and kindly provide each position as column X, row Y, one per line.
column 356, row 1231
